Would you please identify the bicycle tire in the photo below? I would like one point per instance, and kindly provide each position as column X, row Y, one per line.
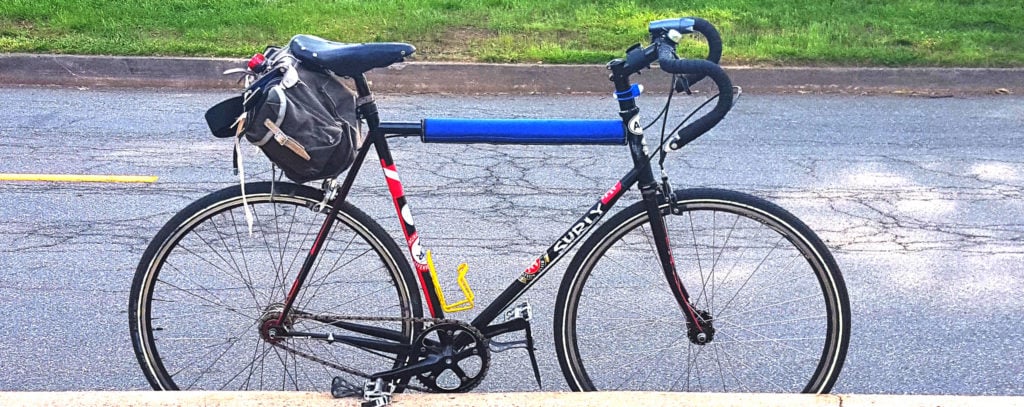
column 205, row 285
column 776, row 297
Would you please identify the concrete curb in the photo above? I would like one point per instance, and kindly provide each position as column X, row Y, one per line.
column 598, row 399
column 468, row 78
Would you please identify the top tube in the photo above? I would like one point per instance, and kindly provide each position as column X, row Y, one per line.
column 523, row 131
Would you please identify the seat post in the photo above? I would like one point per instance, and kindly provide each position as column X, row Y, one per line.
column 365, row 105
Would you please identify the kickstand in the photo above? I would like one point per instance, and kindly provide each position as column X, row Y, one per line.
column 533, row 356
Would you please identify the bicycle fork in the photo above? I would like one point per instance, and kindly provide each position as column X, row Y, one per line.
column 698, row 323
column 699, row 327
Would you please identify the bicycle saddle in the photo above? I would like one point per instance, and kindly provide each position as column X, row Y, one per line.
column 348, row 59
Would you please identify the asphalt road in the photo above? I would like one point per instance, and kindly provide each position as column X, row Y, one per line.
column 919, row 198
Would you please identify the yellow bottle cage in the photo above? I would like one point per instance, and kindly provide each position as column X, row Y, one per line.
column 466, row 291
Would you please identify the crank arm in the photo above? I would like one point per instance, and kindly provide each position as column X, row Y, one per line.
column 499, row 347
column 517, row 324
column 514, row 325
column 426, row 365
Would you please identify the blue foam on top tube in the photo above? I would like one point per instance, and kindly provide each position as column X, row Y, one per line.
column 523, row 131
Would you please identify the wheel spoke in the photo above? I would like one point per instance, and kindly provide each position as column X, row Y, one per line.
column 748, row 268
column 203, row 296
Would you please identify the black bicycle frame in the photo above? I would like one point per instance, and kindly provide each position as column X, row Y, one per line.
column 641, row 174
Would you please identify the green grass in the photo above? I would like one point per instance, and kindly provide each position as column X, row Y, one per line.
column 982, row 33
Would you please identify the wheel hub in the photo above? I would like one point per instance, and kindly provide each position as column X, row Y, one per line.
column 703, row 333
column 270, row 329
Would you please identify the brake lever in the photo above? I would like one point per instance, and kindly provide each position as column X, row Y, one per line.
column 683, row 85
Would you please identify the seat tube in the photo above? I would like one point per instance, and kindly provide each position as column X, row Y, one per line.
column 368, row 110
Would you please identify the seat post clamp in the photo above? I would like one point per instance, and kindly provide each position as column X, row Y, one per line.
column 363, row 100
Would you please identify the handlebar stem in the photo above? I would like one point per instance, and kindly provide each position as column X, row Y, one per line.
column 637, row 59
column 662, row 50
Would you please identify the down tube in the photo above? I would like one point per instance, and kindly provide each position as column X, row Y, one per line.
column 556, row 251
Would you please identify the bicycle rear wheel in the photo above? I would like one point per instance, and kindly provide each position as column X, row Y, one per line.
column 772, row 290
column 206, row 285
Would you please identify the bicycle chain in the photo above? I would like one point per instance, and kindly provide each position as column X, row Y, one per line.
column 330, row 318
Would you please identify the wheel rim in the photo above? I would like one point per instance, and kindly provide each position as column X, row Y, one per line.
column 773, row 334
column 202, row 309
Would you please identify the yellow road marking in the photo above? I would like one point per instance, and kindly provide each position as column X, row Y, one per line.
column 77, row 178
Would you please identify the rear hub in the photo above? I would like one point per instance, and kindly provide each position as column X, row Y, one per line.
column 270, row 328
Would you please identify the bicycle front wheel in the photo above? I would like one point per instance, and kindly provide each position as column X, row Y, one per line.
column 771, row 289
column 206, row 286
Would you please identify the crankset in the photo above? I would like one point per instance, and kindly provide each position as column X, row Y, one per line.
column 455, row 354
column 447, row 356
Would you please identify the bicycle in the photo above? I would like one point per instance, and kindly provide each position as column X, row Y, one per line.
column 749, row 298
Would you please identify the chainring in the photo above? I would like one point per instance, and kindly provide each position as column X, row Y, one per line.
column 462, row 352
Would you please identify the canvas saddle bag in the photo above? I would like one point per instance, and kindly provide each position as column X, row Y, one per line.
column 304, row 120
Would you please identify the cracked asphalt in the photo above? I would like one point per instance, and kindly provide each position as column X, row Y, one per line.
column 920, row 199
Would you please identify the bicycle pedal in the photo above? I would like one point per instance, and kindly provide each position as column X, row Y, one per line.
column 341, row 388
column 377, row 393
column 377, row 402
column 522, row 311
column 499, row 347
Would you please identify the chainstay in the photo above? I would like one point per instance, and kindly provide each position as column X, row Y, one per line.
column 327, row 319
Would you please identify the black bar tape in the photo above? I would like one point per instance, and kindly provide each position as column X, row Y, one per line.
column 714, row 45
column 702, row 67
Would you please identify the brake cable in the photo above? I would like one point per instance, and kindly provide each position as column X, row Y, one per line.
column 662, row 153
